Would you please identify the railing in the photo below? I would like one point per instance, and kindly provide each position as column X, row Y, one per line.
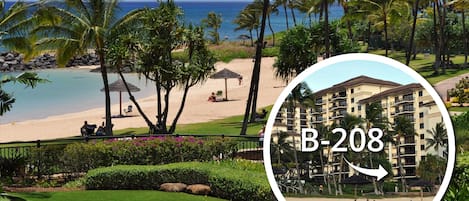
column 248, row 147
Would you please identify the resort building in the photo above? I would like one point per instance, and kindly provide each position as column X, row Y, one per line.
column 351, row 97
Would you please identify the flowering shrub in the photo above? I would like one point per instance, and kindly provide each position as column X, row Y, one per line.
column 81, row 157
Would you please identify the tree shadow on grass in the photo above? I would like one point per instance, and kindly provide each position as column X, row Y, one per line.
column 29, row 195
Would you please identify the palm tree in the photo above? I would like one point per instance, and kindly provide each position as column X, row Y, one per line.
column 12, row 25
column 247, row 19
column 439, row 137
column 213, row 21
column 402, row 127
column 6, row 100
column 415, row 8
column 78, row 27
column 282, row 148
column 381, row 11
column 462, row 6
column 284, row 4
column 374, row 118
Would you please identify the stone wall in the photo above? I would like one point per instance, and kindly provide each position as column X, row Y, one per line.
column 11, row 61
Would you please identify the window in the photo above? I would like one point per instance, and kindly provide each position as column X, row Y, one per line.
column 422, row 147
column 351, row 91
column 420, row 93
column 421, row 115
column 353, row 109
column 359, row 107
column 422, row 125
column 422, row 136
column 353, row 100
column 420, row 104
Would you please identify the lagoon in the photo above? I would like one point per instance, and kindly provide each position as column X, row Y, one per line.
column 69, row 90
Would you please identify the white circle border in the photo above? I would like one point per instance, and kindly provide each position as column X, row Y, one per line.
column 360, row 57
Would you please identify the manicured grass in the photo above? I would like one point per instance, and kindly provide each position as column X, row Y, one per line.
column 423, row 65
column 122, row 195
column 459, row 109
column 227, row 126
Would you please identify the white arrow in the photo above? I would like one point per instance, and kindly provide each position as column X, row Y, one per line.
column 378, row 173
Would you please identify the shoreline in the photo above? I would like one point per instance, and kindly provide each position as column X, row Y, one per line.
column 197, row 109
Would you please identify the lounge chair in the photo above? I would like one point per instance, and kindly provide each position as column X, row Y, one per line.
column 129, row 109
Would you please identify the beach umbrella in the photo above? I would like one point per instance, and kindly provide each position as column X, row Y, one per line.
column 119, row 86
column 243, row 37
column 356, row 180
column 225, row 74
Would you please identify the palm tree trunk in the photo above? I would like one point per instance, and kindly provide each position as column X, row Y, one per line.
column 250, row 35
column 386, row 44
column 412, row 33
column 442, row 36
column 286, row 14
column 253, row 90
column 464, row 36
column 271, row 30
column 324, row 175
column 181, row 108
column 108, row 127
column 436, row 39
column 369, row 37
column 292, row 13
column 326, row 29
column 401, row 169
column 297, row 165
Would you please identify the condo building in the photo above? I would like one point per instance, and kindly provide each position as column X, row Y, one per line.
column 410, row 101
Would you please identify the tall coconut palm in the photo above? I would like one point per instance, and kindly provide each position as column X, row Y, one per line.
column 381, row 11
column 415, row 8
column 439, row 137
column 78, row 27
column 247, row 19
column 402, row 127
column 374, row 118
column 462, row 6
column 213, row 21
column 284, row 5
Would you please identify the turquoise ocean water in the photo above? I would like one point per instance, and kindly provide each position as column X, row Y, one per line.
column 78, row 90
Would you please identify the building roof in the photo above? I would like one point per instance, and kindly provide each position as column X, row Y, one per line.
column 355, row 82
column 404, row 89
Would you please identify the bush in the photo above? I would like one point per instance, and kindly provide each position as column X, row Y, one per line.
column 46, row 159
column 81, row 157
column 227, row 180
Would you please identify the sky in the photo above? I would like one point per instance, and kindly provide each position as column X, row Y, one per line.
column 342, row 71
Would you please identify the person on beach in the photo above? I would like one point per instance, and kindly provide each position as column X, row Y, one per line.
column 212, row 98
column 240, row 79
column 100, row 131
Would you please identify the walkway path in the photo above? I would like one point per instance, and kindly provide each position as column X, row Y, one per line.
column 443, row 86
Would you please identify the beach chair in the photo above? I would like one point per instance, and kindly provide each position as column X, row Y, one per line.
column 220, row 96
column 129, row 109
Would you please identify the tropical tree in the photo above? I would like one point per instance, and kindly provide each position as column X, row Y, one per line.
column 160, row 33
column 6, row 99
column 381, row 13
column 248, row 19
column 402, row 127
column 431, row 168
column 374, row 119
column 77, row 27
column 12, row 25
column 282, row 149
column 439, row 137
column 284, row 3
column 300, row 97
column 213, row 21
column 295, row 53
column 462, row 6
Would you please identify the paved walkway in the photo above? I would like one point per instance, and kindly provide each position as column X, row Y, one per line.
column 443, row 86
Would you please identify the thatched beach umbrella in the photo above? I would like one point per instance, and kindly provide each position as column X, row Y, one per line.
column 244, row 37
column 225, row 74
column 357, row 180
column 119, row 86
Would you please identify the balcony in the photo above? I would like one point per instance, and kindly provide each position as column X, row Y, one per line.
column 317, row 120
column 339, row 96
column 303, row 117
column 290, row 116
column 405, row 99
column 341, row 105
column 403, row 111
column 319, row 102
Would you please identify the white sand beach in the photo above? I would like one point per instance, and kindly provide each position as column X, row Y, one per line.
column 197, row 108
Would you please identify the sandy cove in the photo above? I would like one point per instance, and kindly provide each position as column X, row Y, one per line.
column 197, row 108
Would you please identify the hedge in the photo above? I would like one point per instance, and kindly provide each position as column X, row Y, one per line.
column 228, row 180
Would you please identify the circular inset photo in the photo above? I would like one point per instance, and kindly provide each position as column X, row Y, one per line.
column 359, row 126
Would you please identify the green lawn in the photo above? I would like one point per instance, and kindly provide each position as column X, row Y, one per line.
column 459, row 109
column 122, row 195
column 424, row 65
column 228, row 126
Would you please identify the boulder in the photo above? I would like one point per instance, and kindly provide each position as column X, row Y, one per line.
column 173, row 187
column 199, row 189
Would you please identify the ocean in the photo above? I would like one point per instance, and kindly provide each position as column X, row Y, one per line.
column 194, row 12
column 78, row 90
